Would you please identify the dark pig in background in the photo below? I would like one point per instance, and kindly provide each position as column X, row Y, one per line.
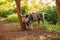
column 34, row 16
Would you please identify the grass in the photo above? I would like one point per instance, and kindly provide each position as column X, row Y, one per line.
column 49, row 27
column 57, row 36
column 2, row 18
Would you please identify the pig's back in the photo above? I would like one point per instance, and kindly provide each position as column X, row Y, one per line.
column 35, row 16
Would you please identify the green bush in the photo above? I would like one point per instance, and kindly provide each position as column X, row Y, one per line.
column 6, row 11
column 3, row 13
column 51, row 15
column 12, row 18
column 24, row 9
column 13, row 10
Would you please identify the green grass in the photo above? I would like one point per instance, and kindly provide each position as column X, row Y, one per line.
column 49, row 27
column 57, row 36
column 2, row 18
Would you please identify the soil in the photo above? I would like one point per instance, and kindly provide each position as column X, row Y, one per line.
column 11, row 31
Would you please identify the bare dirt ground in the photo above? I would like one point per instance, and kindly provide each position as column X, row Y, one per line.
column 11, row 31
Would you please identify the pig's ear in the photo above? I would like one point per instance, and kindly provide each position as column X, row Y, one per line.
column 32, row 13
column 26, row 15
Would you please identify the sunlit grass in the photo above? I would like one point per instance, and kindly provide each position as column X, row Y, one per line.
column 57, row 37
column 2, row 19
column 49, row 27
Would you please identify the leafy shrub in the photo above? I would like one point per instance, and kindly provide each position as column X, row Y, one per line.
column 2, row 3
column 12, row 18
column 3, row 13
column 13, row 10
column 51, row 15
column 24, row 9
column 7, row 11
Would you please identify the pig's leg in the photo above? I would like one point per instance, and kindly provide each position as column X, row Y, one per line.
column 38, row 22
column 31, row 26
column 27, row 25
column 42, row 21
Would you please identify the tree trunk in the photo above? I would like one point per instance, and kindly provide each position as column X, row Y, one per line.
column 58, row 10
column 22, row 25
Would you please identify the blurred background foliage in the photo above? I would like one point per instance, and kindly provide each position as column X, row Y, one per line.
column 8, row 11
column 8, row 7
